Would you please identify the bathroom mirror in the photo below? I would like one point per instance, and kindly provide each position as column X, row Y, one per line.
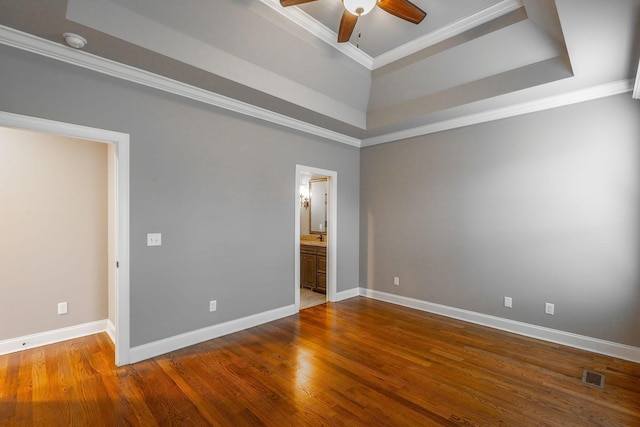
column 318, row 206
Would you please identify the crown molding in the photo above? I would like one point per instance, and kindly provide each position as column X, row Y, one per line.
column 636, row 88
column 49, row 49
column 441, row 34
column 304, row 20
column 30, row 43
column 582, row 95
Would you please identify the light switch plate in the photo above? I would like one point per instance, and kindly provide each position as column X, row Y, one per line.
column 154, row 239
column 549, row 308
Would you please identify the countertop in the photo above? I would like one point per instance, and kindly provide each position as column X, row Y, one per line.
column 313, row 243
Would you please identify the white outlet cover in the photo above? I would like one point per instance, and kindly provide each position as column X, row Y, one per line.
column 508, row 302
column 154, row 239
column 396, row 281
column 213, row 305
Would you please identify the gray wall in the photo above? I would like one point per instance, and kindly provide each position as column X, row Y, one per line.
column 542, row 208
column 218, row 186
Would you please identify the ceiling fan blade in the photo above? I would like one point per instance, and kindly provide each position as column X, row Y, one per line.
column 403, row 9
column 286, row 3
column 347, row 24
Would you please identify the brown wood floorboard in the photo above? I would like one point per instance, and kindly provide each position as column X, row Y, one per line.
column 359, row 362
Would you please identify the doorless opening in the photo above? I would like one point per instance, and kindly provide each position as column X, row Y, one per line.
column 119, row 204
column 331, row 223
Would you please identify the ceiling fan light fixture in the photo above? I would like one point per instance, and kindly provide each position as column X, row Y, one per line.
column 359, row 7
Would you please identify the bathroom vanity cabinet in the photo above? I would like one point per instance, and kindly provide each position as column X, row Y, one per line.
column 313, row 267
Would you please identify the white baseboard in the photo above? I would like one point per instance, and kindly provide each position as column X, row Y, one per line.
column 50, row 337
column 166, row 345
column 156, row 348
column 111, row 331
column 349, row 293
column 594, row 345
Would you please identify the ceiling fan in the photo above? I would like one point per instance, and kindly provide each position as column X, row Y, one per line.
column 353, row 9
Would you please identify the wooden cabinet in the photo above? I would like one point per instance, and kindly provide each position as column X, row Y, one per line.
column 307, row 270
column 321, row 269
column 313, row 268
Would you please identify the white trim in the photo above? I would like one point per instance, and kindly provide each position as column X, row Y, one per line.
column 332, row 238
column 441, row 34
column 156, row 348
column 319, row 30
column 121, row 140
column 18, row 121
column 296, row 241
column 123, row 331
column 50, row 337
column 582, row 342
column 636, row 88
column 49, row 49
column 349, row 293
column 548, row 103
column 111, row 330
column 53, row 50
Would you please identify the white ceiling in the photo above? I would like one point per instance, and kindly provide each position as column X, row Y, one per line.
column 382, row 33
column 466, row 59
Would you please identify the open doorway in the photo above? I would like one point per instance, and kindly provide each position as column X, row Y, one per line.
column 315, row 236
column 118, row 234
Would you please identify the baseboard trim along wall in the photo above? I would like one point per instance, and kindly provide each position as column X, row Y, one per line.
column 594, row 345
column 111, row 331
column 350, row 293
column 50, row 337
column 156, row 348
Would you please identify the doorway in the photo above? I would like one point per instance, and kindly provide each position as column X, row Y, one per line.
column 118, row 204
column 324, row 233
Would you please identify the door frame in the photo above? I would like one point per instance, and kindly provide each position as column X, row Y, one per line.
column 121, row 217
column 332, row 235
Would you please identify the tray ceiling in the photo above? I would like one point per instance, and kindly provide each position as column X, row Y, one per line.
column 464, row 59
column 380, row 38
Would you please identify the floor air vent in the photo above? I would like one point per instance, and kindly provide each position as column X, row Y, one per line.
column 593, row 378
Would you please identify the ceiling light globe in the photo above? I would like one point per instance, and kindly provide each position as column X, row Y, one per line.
column 74, row 40
column 359, row 7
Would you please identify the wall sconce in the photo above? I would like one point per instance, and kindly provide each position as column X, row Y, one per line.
column 304, row 196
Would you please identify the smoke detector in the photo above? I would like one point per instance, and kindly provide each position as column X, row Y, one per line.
column 74, row 40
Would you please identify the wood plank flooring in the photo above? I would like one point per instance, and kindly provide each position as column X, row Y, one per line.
column 359, row 362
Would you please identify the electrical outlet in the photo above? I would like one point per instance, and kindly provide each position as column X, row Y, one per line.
column 154, row 239
column 63, row 308
column 549, row 308
column 508, row 302
column 213, row 305
column 396, row 281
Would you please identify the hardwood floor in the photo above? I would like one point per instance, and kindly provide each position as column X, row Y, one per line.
column 357, row 362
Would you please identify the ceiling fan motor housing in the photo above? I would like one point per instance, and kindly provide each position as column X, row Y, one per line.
column 359, row 7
